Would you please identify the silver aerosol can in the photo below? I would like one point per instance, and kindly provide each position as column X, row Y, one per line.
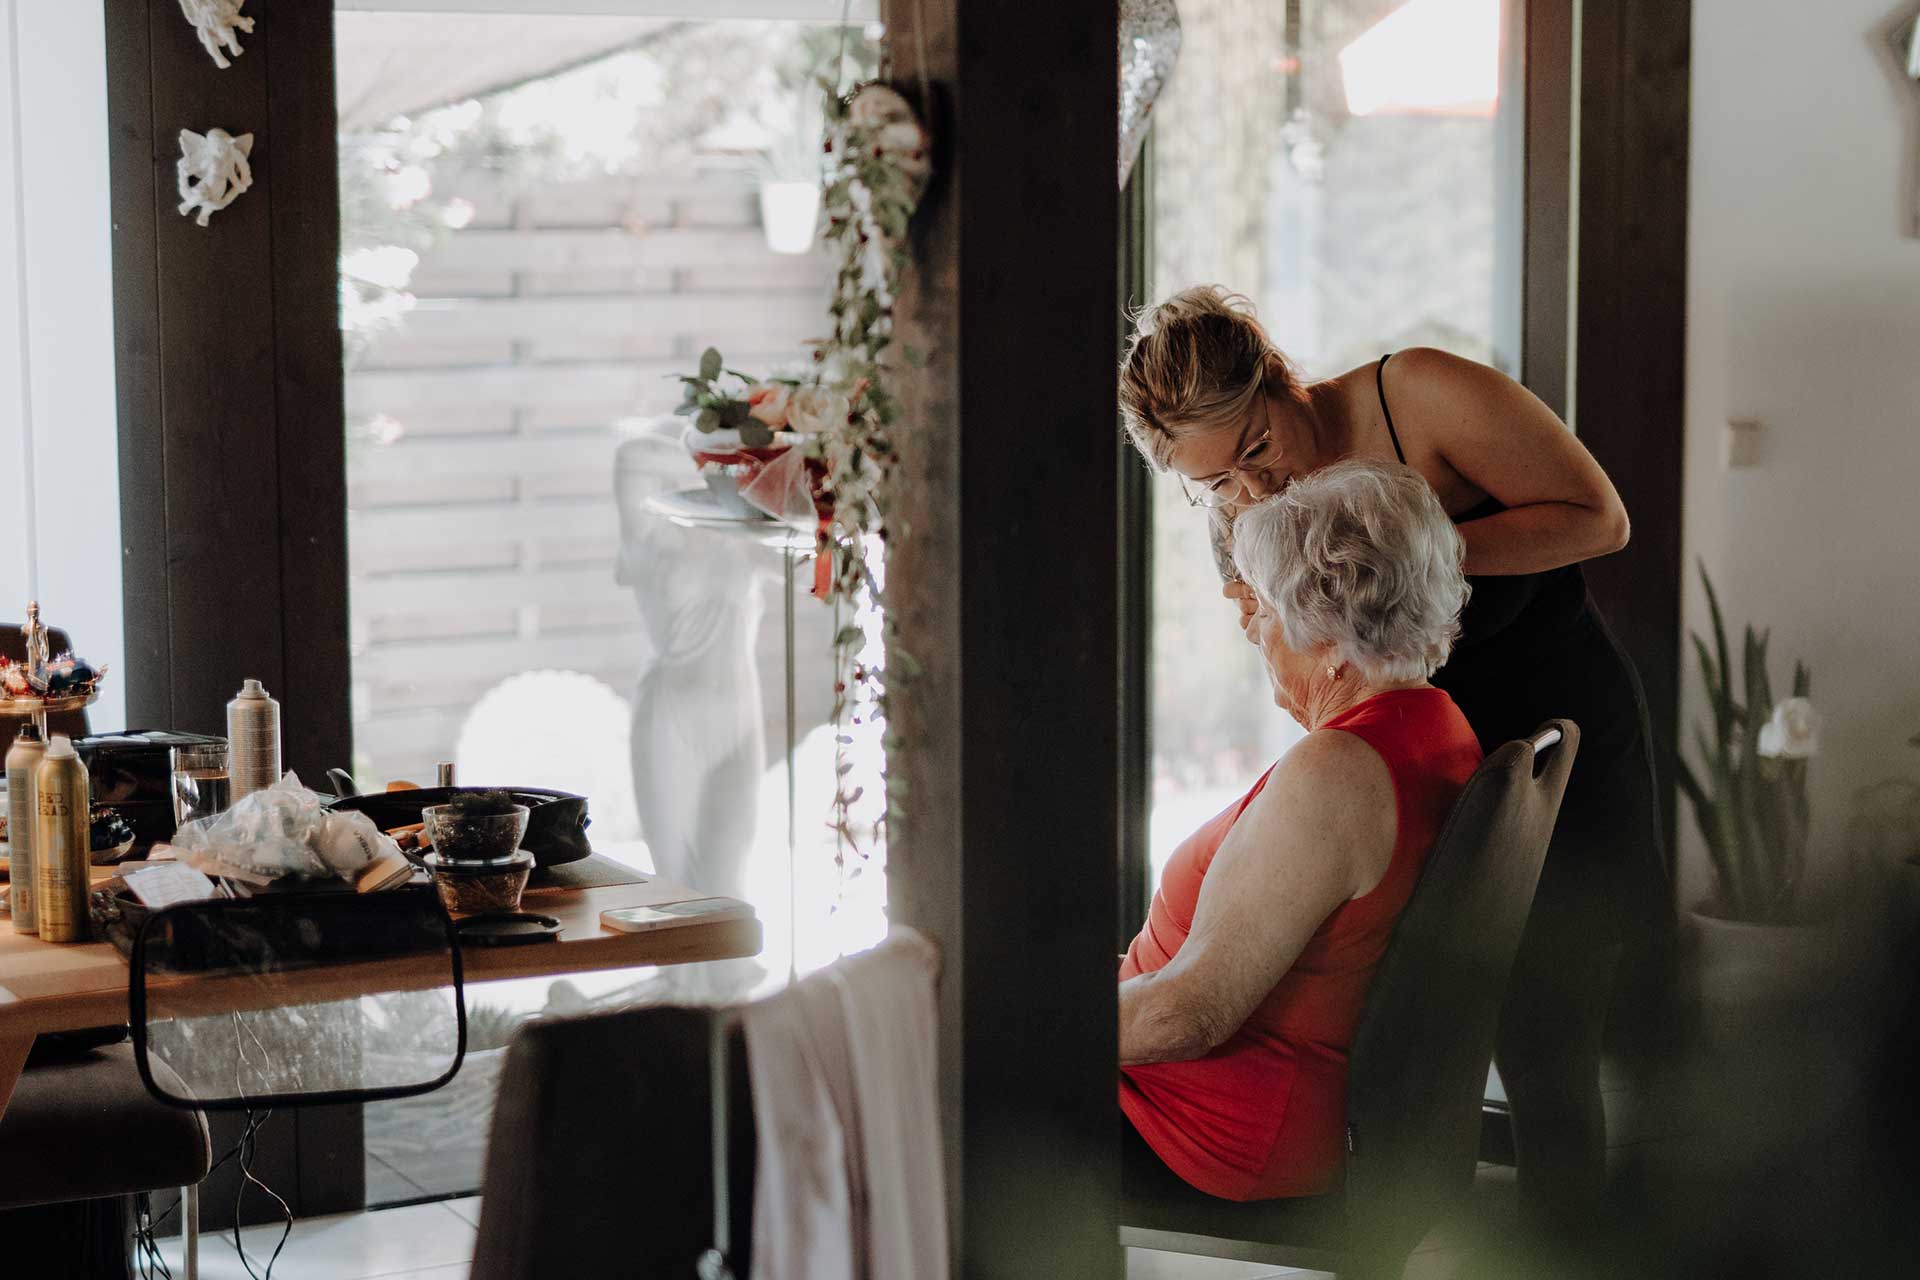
column 253, row 740
column 22, row 818
column 61, row 865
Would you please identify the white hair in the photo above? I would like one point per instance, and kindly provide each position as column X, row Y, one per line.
column 1360, row 556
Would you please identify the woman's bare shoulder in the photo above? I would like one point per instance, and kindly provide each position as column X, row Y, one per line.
column 1331, row 780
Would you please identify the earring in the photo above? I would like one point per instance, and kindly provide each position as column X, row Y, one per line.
column 1333, row 673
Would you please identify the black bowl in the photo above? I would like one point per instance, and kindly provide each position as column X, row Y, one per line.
column 556, row 821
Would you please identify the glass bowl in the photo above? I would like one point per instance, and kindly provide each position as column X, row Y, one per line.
column 468, row 887
column 463, row 837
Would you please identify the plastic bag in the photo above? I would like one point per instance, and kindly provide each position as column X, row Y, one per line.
column 265, row 835
column 347, row 841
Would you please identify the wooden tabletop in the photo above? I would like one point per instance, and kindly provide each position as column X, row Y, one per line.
column 48, row 986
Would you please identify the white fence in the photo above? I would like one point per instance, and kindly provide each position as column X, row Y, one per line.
column 482, row 527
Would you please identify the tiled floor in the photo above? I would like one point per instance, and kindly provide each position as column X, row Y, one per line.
column 434, row 1240
column 417, row 1242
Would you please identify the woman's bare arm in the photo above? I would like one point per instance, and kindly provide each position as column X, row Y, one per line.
column 1500, row 438
column 1319, row 833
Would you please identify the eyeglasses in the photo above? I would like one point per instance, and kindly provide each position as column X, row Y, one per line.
column 1258, row 455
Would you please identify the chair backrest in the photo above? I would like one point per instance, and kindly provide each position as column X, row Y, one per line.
column 1419, row 1061
column 600, row 1161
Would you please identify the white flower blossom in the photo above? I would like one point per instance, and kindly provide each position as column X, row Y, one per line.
column 1792, row 732
column 817, row 409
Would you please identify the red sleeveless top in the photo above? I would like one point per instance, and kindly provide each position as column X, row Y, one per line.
column 1264, row 1114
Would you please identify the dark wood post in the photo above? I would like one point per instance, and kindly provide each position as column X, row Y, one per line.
column 232, row 439
column 1629, row 388
column 1007, row 589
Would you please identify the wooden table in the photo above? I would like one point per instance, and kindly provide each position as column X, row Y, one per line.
column 46, row 986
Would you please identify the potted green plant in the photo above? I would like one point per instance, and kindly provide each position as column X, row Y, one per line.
column 1749, row 800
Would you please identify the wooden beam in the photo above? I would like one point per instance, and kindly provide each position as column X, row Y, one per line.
column 1006, row 590
column 1630, row 299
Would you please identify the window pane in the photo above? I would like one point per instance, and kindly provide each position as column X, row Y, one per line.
column 545, row 219
column 1337, row 162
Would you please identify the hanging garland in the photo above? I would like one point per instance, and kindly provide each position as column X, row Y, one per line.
column 832, row 467
column 877, row 167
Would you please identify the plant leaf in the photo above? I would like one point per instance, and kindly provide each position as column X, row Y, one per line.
column 710, row 364
column 709, row 420
column 1722, row 708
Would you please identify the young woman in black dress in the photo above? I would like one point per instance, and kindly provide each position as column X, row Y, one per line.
column 1207, row 396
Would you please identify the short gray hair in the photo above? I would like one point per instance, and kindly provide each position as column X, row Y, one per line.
column 1361, row 556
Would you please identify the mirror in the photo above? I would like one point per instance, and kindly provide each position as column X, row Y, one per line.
column 297, row 999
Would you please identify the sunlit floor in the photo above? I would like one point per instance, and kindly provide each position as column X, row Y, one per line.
column 435, row 1242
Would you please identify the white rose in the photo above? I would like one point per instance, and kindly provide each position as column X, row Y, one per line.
column 817, row 409
column 1793, row 731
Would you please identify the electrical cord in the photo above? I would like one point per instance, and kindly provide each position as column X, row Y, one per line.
column 153, row 1265
column 246, row 1148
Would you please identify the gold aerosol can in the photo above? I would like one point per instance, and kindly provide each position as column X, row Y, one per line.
column 23, row 758
column 61, row 864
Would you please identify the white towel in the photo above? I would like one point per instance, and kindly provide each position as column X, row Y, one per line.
column 887, row 998
column 803, row 1212
column 849, row 1175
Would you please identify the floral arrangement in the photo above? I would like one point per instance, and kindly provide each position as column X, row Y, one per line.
column 63, row 676
column 843, row 414
column 1752, row 808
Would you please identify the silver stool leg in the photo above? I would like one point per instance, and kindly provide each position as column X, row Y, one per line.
column 190, row 1232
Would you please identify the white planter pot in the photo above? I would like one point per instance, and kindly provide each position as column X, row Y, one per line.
column 1750, row 973
column 789, row 213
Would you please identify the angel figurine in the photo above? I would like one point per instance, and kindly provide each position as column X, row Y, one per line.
column 36, row 637
column 213, row 170
column 216, row 22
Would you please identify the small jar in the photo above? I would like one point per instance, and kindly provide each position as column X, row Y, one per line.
column 467, row 886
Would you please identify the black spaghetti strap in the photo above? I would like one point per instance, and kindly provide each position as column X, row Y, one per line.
column 1380, row 381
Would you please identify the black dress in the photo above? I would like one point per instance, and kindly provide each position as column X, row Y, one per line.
column 1534, row 646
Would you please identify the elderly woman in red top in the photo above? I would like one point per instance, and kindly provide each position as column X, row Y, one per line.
column 1239, row 998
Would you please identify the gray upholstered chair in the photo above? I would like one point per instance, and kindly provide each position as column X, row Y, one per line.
column 1419, row 1059
column 599, row 1162
column 81, row 1126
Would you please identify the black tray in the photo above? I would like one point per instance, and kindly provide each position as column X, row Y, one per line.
column 556, row 821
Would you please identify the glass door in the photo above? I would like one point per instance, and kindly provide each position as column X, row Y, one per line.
column 1352, row 167
column 545, row 218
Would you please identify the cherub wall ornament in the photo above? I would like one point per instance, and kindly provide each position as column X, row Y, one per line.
column 213, row 170
column 217, row 22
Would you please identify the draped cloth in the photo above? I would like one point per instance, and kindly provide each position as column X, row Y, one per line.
column 849, row 1182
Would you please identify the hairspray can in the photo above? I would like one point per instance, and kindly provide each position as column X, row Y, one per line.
column 22, row 819
column 61, row 864
column 253, row 740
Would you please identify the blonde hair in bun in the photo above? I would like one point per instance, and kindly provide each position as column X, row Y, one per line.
column 1194, row 364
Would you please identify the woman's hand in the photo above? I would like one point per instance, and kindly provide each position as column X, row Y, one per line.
column 1242, row 594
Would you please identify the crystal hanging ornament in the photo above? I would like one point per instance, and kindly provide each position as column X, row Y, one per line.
column 1149, row 46
column 1305, row 151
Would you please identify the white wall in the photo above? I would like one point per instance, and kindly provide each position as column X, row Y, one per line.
column 1804, row 312
column 53, row 168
